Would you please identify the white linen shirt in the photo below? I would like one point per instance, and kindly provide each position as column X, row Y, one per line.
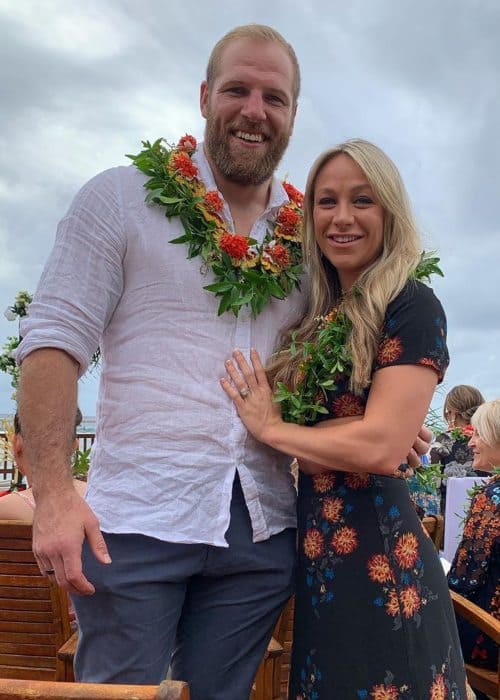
column 168, row 440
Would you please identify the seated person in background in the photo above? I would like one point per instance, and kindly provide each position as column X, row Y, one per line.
column 451, row 447
column 19, row 505
column 475, row 571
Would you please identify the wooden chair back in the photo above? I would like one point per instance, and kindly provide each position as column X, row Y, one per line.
column 54, row 690
column 483, row 679
column 434, row 524
column 283, row 633
column 34, row 620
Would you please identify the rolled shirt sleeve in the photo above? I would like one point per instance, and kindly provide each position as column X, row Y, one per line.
column 83, row 278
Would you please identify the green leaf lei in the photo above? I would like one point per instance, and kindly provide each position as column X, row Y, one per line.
column 246, row 273
column 327, row 357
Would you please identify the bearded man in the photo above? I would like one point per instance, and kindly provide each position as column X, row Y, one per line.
column 183, row 552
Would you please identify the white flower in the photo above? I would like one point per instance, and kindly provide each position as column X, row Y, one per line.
column 9, row 314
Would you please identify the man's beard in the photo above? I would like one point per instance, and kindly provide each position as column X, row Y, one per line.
column 244, row 168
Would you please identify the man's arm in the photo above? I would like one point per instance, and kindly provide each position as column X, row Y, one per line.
column 47, row 408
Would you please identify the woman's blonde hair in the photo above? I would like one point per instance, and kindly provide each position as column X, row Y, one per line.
column 464, row 400
column 486, row 421
column 366, row 303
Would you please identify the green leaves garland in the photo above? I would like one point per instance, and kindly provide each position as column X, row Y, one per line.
column 327, row 358
column 246, row 273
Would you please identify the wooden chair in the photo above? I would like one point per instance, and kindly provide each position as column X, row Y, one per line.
column 36, row 640
column 434, row 524
column 283, row 633
column 34, row 620
column 271, row 682
column 482, row 679
column 54, row 690
column 267, row 685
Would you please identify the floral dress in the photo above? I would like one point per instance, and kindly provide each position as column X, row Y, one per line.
column 475, row 571
column 373, row 616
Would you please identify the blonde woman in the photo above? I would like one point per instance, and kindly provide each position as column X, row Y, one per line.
column 475, row 571
column 450, row 448
column 373, row 614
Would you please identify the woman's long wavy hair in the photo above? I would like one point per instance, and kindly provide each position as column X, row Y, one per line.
column 366, row 303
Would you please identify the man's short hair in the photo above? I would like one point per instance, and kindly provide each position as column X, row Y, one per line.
column 259, row 32
column 17, row 422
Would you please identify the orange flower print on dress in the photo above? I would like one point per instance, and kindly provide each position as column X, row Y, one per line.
column 332, row 509
column 345, row 540
column 357, row 480
column 384, row 692
column 429, row 362
column 379, row 569
column 314, row 543
column 347, row 405
column 390, row 350
column 323, row 482
column 438, row 688
column 410, row 601
column 406, row 550
column 392, row 604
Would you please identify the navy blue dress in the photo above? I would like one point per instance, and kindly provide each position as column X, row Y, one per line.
column 373, row 616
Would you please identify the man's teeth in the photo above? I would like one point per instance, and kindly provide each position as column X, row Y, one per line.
column 345, row 239
column 249, row 137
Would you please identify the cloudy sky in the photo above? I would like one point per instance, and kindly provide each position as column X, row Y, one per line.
column 81, row 84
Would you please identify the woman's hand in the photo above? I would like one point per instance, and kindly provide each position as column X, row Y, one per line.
column 251, row 394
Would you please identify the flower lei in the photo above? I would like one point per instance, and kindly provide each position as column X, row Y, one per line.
column 326, row 358
column 246, row 273
column 463, row 434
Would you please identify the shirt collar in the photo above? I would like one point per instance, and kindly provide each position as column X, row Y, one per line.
column 278, row 195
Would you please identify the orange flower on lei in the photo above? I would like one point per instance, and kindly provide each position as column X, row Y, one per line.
column 234, row 245
column 174, row 184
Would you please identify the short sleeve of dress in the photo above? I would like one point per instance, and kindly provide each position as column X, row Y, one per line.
column 414, row 331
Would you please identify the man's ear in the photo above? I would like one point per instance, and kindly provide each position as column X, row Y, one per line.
column 18, row 450
column 204, row 98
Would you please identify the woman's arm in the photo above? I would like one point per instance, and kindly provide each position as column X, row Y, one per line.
column 397, row 404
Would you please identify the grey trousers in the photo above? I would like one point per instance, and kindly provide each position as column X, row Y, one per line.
column 206, row 611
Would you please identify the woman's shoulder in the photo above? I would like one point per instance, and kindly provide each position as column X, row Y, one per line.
column 415, row 293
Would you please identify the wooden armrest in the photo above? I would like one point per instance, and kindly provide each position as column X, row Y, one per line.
column 274, row 649
column 68, row 649
column 476, row 616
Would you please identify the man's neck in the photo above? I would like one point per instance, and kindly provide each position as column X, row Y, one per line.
column 246, row 202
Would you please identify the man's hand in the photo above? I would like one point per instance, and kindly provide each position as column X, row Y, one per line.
column 61, row 522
